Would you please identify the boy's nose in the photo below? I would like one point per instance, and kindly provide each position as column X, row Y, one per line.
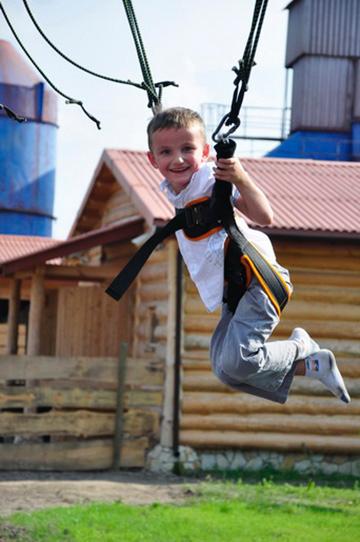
column 179, row 159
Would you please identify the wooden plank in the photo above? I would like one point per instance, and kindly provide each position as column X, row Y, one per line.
column 140, row 371
column 281, row 423
column 23, row 397
column 80, row 423
column 71, row 455
column 271, row 441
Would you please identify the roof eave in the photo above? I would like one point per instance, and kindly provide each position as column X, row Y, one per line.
column 312, row 234
column 124, row 230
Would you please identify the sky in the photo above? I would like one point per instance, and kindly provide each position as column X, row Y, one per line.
column 192, row 42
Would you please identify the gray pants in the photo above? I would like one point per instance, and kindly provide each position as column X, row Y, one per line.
column 240, row 354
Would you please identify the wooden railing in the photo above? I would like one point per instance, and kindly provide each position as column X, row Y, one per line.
column 63, row 413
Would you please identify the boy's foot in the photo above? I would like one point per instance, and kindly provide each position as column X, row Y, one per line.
column 322, row 365
column 305, row 344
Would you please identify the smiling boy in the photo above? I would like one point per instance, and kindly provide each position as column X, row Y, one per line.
column 241, row 355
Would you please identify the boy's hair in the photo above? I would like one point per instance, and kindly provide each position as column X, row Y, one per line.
column 174, row 117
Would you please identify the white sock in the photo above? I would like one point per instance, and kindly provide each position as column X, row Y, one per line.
column 322, row 365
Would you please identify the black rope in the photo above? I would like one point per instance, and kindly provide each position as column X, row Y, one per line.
column 68, row 59
column 243, row 72
column 153, row 97
column 11, row 114
column 68, row 99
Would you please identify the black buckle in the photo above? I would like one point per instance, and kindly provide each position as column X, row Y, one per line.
column 195, row 216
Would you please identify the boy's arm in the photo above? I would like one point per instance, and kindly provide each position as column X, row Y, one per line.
column 253, row 203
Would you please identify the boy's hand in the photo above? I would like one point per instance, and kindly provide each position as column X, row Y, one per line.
column 231, row 170
column 252, row 202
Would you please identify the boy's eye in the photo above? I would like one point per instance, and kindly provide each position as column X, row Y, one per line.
column 188, row 148
column 165, row 152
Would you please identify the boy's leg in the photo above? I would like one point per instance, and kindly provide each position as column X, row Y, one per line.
column 241, row 355
column 266, row 369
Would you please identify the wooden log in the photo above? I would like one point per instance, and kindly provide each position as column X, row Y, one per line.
column 281, row 423
column 71, row 455
column 154, row 273
column 323, row 311
column 323, row 262
column 313, row 277
column 271, row 441
column 216, row 403
column 155, row 292
column 207, row 324
column 206, row 381
column 197, row 341
column 328, row 294
column 337, row 329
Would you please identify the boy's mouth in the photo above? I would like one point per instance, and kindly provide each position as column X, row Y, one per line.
column 179, row 169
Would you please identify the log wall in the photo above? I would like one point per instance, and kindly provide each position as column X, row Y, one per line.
column 326, row 302
column 70, row 405
column 119, row 206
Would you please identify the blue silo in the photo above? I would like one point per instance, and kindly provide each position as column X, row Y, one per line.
column 27, row 150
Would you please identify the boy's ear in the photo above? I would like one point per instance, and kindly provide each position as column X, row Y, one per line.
column 152, row 160
column 206, row 151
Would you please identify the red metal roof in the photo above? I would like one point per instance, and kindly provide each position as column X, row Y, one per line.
column 307, row 196
column 14, row 246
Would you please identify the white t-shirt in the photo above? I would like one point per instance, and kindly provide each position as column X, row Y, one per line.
column 204, row 258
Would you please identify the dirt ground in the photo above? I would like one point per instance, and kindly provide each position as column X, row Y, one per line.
column 28, row 491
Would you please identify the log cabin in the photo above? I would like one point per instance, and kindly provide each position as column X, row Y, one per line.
column 316, row 235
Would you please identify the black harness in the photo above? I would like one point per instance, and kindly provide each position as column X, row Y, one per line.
column 197, row 220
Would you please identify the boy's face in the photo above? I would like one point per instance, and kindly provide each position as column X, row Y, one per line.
column 178, row 153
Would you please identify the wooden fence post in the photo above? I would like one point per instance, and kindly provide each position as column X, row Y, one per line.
column 119, row 415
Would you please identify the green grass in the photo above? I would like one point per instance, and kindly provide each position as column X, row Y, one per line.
column 214, row 512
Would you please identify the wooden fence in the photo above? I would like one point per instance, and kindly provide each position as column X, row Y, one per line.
column 75, row 414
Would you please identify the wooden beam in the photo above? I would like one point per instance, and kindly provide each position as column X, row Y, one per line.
column 37, row 299
column 13, row 317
